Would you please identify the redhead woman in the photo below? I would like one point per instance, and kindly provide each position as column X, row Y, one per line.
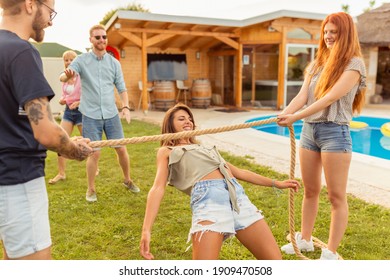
column 333, row 90
column 220, row 207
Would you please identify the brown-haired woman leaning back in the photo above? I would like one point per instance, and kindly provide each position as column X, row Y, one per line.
column 333, row 90
column 220, row 208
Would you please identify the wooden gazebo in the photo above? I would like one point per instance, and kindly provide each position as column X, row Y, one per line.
column 223, row 51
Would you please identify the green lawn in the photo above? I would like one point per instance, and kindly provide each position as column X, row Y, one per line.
column 110, row 229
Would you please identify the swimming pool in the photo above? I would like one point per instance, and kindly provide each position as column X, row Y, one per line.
column 369, row 141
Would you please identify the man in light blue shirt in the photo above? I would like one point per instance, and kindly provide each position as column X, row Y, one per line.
column 100, row 72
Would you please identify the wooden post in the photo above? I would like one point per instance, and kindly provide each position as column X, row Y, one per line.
column 222, row 78
column 144, row 95
column 253, row 97
column 281, row 70
column 238, row 100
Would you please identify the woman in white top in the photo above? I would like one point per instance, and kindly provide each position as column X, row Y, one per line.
column 333, row 89
column 220, row 208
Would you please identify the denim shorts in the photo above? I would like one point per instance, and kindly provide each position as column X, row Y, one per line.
column 93, row 129
column 210, row 202
column 24, row 218
column 326, row 137
column 73, row 116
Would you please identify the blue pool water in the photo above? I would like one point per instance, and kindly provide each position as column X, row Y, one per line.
column 369, row 141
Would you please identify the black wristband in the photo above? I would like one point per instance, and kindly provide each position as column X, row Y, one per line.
column 126, row 107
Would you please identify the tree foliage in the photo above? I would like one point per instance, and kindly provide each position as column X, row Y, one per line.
column 131, row 7
column 345, row 8
column 371, row 4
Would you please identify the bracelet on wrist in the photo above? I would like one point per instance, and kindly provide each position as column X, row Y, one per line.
column 126, row 107
column 275, row 188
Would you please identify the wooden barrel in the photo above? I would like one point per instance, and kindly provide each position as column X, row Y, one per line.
column 201, row 93
column 164, row 94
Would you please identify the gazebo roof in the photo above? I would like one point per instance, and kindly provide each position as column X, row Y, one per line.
column 187, row 32
column 373, row 26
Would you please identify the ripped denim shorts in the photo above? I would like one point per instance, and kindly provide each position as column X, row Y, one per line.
column 210, row 202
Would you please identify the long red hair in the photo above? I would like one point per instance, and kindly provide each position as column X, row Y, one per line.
column 336, row 59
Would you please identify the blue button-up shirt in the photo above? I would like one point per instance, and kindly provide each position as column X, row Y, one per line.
column 98, row 77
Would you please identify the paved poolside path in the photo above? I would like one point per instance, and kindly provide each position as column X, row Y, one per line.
column 369, row 177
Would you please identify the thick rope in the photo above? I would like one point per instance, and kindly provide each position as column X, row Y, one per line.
column 178, row 135
column 291, row 201
column 192, row 133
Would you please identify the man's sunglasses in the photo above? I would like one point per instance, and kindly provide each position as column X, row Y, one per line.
column 98, row 37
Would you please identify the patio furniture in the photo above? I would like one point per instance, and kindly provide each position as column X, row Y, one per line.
column 149, row 90
column 182, row 89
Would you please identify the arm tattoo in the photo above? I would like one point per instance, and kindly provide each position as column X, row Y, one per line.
column 34, row 109
column 66, row 147
column 69, row 148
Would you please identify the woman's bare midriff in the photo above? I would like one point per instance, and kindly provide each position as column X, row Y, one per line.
column 216, row 174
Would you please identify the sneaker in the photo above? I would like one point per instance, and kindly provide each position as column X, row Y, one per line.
column 131, row 186
column 91, row 197
column 328, row 255
column 303, row 245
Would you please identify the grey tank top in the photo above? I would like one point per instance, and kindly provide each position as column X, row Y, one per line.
column 340, row 111
column 190, row 163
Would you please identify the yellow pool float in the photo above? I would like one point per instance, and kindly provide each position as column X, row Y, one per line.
column 357, row 125
column 385, row 129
